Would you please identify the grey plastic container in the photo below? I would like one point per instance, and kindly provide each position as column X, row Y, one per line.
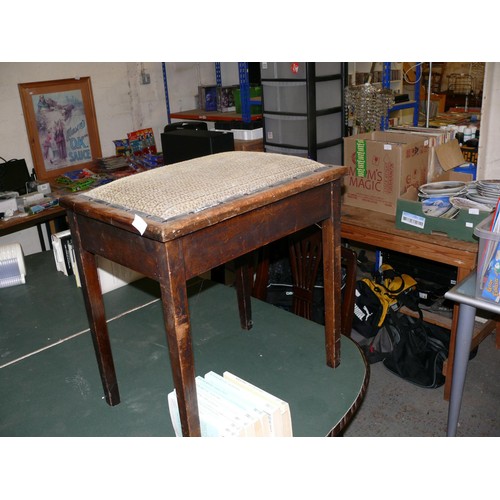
column 296, row 71
column 292, row 130
column 287, row 151
column 331, row 155
column 291, row 97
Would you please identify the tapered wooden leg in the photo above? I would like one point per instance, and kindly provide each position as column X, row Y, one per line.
column 332, row 280
column 94, row 305
column 243, row 283
column 178, row 329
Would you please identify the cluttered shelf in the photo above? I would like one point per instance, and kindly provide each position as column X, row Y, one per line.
column 378, row 230
column 33, row 209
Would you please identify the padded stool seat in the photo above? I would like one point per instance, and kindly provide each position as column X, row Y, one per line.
column 181, row 220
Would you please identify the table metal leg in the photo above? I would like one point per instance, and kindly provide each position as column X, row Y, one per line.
column 465, row 329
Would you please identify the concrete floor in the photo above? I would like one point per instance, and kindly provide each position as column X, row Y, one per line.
column 393, row 407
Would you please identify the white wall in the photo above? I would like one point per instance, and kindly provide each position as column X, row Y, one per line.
column 489, row 145
column 122, row 104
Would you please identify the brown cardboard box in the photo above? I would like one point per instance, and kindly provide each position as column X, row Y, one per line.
column 435, row 138
column 444, row 150
column 382, row 166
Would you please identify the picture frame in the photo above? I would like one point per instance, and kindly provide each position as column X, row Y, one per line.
column 61, row 124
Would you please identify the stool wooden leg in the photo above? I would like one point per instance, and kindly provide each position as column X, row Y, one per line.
column 94, row 305
column 332, row 288
column 243, row 283
column 178, row 330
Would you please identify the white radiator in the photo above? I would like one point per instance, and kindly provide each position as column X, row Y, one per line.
column 12, row 269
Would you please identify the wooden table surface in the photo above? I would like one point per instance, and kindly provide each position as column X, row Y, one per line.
column 378, row 229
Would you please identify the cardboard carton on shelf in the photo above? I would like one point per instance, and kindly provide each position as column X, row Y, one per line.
column 381, row 167
column 445, row 158
column 207, row 97
column 436, row 138
column 225, row 99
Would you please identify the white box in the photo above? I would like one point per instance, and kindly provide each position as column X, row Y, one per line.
column 8, row 201
column 113, row 275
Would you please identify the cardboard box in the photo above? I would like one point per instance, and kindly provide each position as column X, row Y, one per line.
column 225, row 99
column 444, row 150
column 447, row 157
column 410, row 216
column 207, row 96
column 381, row 167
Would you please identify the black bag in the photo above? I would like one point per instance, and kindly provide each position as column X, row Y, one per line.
column 370, row 308
column 419, row 350
column 388, row 290
column 376, row 348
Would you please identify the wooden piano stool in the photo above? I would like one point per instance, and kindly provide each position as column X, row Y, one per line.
column 179, row 221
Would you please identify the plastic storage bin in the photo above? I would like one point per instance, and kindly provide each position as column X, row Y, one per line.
column 488, row 262
column 296, row 70
column 292, row 130
column 331, row 155
column 467, row 169
column 291, row 97
column 287, row 151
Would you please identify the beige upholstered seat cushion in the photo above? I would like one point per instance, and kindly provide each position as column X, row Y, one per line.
column 195, row 185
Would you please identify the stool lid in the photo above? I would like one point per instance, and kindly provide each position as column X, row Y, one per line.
column 195, row 185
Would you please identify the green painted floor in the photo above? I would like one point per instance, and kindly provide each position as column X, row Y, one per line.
column 49, row 380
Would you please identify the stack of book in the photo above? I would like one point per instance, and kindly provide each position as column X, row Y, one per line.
column 229, row 406
column 64, row 254
column 111, row 274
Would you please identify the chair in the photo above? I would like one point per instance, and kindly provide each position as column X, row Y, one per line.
column 305, row 258
column 305, row 255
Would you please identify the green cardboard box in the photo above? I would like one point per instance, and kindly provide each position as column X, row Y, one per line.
column 410, row 217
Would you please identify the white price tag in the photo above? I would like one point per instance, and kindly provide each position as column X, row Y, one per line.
column 140, row 224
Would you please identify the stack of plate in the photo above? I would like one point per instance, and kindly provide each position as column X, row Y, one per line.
column 435, row 197
column 443, row 188
column 486, row 192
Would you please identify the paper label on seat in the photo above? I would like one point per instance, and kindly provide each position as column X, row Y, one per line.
column 140, row 224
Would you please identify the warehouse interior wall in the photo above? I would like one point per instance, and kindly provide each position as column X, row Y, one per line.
column 489, row 146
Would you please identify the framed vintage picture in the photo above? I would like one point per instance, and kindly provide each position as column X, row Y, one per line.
column 61, row 124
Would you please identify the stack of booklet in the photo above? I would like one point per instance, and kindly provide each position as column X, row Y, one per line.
column 229, row 406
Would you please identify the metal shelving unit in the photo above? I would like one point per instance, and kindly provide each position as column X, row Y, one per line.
column 198, row 114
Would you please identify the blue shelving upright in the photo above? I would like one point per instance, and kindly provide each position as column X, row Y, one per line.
column 415, row 103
